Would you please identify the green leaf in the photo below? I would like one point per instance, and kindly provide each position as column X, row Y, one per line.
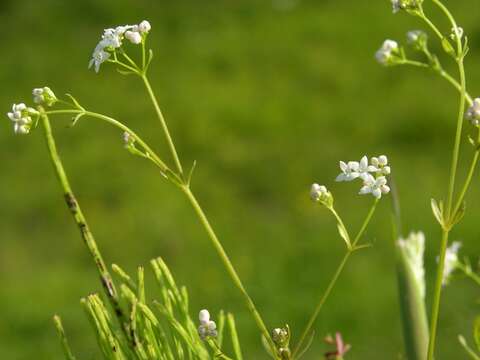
column 476, row 332
column 307, row 346
column 267, row 347
column 344, row 235
column 234, row 336
column 447, row 46
column 437, row 211
column 75, row 102
column 458, row 216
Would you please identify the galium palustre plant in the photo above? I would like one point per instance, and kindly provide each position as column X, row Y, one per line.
column 131, row 326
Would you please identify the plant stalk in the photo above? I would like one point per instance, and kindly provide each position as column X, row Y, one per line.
column 76, row 211
column 334, row 279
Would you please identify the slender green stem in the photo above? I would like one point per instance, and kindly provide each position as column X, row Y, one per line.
column 63, row 338
column 155, row 158
column 442, row 73
column 228, row 265
column 171, row 145
column 128, row 67
column 469, row 178
column 451, row 187
column 468, row 349
column 455, row 83
column 431, row 24
column 437, row 293
column 76, row 211
column 469, row 273
column 335, row 277
column 458, row 138
column 413, row 63
column 143, row 56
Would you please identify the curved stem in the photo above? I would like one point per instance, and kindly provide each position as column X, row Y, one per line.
column 118, row 124
column 335, row 277
column 171, row 145
column 469, row 273
column 431, row 24
column 228, row 265
column 443, row 74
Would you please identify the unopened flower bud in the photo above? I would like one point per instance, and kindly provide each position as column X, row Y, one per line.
column 44, row 96
column 473, row 113
column 319, row 193
column 389, row 53
column 417, row 39
column 134, row 37
column 144, row 27
column 207, row 328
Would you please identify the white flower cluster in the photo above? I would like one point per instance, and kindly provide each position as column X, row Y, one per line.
column 398, row 5
column 417, row 39
column 321, row 194
column 473, row 113
column 386, row 55
column 414, row 247
column 112, row 39
column 21, row 116
column 456, row 33
column 451, row 261
column 44, row 96
column 373, row 174
column 207, row 327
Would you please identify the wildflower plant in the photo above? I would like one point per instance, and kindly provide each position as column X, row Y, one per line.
column 129, row 325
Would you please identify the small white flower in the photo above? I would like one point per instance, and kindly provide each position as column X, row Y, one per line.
column 364, row 168
column 133, row 36
column 381, row 165
column 373, row 186
column 385, row 55
column 413, row 248
column 98, row 58
column 207, row 327
column 396, row 6
column 350, row 171
column 456, row 33
column 44, row 96
column 473, row 112
column 144, row 27
column 417, row 39
column 21, row 116
column 451, row 261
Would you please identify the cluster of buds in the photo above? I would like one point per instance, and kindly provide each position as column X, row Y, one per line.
column 112, row 39
column 281, row 338
column 207, row 327
column 417, row 39
column 473, row 113
column 372, row 174
column 451, row 261
column 407, row 5
column 319, row 193
column 413, row 247
column 44, row 96
column 389, row 53
column 23, row 118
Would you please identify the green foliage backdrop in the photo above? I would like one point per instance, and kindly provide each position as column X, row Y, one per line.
column 267, row 96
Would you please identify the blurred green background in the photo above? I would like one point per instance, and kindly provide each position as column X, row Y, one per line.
column 267, row 96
